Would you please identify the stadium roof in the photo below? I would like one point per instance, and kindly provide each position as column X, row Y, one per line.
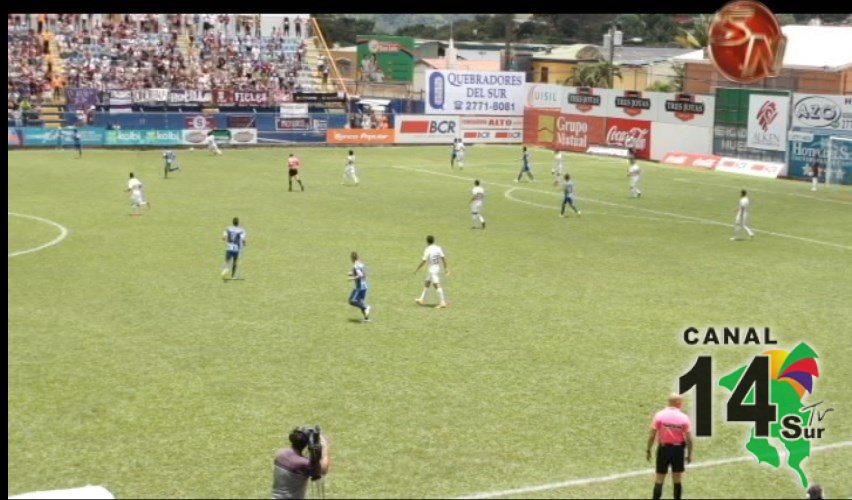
column 808, row 47
column 641, row 56
column 576, row 52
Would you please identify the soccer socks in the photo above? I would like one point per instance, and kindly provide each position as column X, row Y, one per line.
column 301, row 185
column 481, row 220
column 658, row 491
column 814, row 182
column 290, row 183
column 441, row 295
column 423, row 295
column 678, row 491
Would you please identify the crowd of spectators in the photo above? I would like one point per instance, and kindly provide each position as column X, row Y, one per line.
column 135, row 51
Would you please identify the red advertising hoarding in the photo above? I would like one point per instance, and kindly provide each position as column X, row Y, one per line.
column 623, row 133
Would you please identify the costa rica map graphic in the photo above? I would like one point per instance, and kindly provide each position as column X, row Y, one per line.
column 792, row 374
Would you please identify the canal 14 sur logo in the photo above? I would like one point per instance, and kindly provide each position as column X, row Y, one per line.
column 767, row 391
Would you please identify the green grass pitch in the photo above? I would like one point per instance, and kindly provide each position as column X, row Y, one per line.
column 132, row 365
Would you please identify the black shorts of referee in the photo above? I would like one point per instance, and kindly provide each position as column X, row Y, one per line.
column 671, row 455
column 293, row 172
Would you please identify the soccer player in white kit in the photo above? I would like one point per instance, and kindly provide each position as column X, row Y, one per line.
column 435, row 256
column 349, row 172
column 741, row 221
column 459, row 149
column 635, row 174
column 137, row 197
column 476, row 200
column 558, row 167
column 211, row 143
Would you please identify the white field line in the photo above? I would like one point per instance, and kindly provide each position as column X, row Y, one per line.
column 623, row 475
column 798, row 195
column 631, row 207
column 508, row 195
column 63, row 233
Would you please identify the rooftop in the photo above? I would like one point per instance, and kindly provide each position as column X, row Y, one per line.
column 808, row 47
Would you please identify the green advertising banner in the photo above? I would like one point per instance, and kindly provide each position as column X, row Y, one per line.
column 384, row 58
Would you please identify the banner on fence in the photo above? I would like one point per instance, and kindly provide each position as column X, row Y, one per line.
column 687, row 109
column 587, row 101
column 39, row 136
column 545, row 96
column 77, row 98
column 426, row 129
column 804, row 146
column 359, row 136
column 626, row 133
column 243, row 135
column 492, row 129
column 200, row 122
column 293, row 109
column 475, row 92
column 319, row 97
column 293, row 124
column 691, row 160
column 751, row 167
column 767, row 121
column 145, row 137
column 822, row 111
column 120, row 101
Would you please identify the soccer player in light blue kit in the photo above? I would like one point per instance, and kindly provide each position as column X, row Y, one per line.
column 171, row 162
column 568, row 189
column 359, row 294
column 526, row 167
column 235, row 236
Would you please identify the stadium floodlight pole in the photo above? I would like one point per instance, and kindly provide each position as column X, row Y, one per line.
column 614, row 39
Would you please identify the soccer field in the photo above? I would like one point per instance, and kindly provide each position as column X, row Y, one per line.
column 132, row 365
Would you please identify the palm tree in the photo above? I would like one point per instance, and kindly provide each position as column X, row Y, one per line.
column 697, row 36
column 593, row 75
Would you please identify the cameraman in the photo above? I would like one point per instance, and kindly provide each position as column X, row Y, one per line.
column 293, row 469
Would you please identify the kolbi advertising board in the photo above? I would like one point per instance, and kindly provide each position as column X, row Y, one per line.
column 475, row 92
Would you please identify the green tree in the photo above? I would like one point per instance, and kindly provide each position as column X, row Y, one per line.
column 695, row 37
column 659, row 28
column 631, row 25
column 343, row 30
column 594, row 75
column 661, row 87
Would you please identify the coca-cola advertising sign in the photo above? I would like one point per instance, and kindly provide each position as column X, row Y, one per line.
column 577, row 132
column 626, row 133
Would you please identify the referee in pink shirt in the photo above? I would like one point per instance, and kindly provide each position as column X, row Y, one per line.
column 672, row 431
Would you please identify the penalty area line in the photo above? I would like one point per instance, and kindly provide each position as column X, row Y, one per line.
column 623, row 475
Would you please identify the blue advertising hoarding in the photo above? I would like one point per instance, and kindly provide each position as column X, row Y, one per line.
column 39, row 136
column 805, row 143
